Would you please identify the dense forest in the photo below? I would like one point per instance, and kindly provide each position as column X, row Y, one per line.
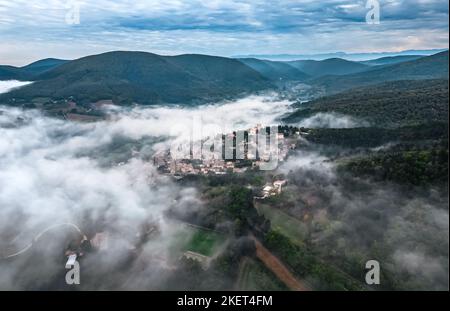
column 409, row 165
column 142, row 78
column 370, row 137
column 390, row 104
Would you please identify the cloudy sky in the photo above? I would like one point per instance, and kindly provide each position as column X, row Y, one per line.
column 32, row 29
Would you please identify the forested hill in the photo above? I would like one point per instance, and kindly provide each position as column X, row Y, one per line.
column 143, row 78
column 391, row 60
column 275, row 71
column 31, row 71
column 430, row 67
column 391, row 104
column 331, row 66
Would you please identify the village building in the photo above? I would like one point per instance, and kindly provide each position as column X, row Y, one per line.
column 202, row 259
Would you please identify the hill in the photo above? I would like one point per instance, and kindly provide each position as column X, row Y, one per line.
column 392, row 104
column 429, row 67
column 10, row 73
column 144, row 78
column 275, row 70
column 391, row 60
column 31, row 71
column 331, row 66
column 41, row 66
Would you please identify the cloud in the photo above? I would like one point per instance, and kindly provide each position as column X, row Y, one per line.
column 47, row 177
column 332, row 120
column 352, row 220
column 100, row 177
column 417, row 263
column 6, row 86
column 307, row 160
column 229, row 27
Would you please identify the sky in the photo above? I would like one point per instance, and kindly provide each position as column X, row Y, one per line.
column 32, row 30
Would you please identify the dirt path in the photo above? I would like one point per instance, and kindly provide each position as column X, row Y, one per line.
column 278, row 268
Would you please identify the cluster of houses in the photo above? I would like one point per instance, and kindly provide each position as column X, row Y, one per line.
column 271, row 189
column 244, row 156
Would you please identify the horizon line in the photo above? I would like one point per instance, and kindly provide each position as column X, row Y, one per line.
column 249, row 55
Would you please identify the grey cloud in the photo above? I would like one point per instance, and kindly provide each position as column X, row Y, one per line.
column 229, row 27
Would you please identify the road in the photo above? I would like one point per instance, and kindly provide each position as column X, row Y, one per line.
column 278, row 268
column 38, row 236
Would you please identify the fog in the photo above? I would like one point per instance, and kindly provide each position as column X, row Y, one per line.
column 354, row 220
column 99, row 176
column 332, row 120
column 48, row 177
column 6, row 86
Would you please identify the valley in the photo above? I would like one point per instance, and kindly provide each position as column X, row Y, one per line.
column 360, row 154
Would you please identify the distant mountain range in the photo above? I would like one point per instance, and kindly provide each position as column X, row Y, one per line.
column 335, row 74
column 429, row 67
column 276, row 70
column 331, row 66
column 302, row 70
column 343, row 55
column 146, row 78
column 390, row 60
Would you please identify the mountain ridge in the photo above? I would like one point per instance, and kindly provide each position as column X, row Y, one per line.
column 363, row 56
column 428, row 67
column 31, row 71
column 145, row 78
column 390, row 60
column 330, row 66
column 275, row 71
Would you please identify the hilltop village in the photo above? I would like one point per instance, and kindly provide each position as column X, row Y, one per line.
column 237, row 156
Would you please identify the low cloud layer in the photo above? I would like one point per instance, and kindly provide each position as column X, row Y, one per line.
column 99, row 177
column 353, row 220
column 49, row 176
column 6, row 86
column 332, row 120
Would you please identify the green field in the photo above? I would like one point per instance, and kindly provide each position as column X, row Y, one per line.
column 197, row 240
column 254, row 276
column 204, row 242
column 287, row 225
